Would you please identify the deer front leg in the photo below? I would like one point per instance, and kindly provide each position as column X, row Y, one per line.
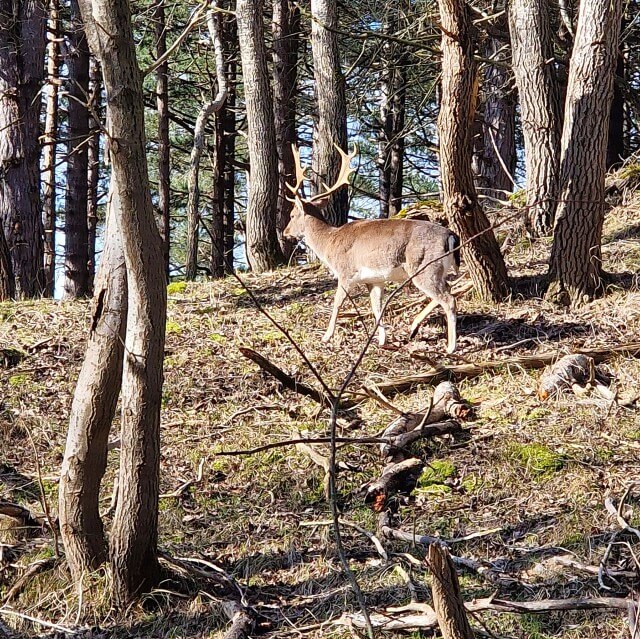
column 341, row 294
column 375, row 294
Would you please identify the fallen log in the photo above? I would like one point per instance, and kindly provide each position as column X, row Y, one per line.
column 538, row 360
column 241, row 621
column 396, row 477
column 19, row 513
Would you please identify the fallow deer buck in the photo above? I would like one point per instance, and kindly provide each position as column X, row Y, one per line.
column 373, row 252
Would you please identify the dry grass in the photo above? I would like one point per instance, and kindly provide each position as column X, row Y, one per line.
column 537, row 472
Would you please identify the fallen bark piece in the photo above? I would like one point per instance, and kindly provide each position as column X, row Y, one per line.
column 570, row 370
column 396, row 477
column 241, row 620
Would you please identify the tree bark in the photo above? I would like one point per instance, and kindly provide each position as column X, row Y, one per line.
column 494, row 161
column 616, row 148
column 263, row 249
column 22, row 47
column 540, row 109
column 76, row 233
column 576, row 261
column 134, row 535
column 459, row 92
column 229, row 128
column 93, row 162
column 50, row 148
column 286, row 42
column 164, row 161
column 92, row 411
column 7, row 281
column 331, row 126
column 211, row 107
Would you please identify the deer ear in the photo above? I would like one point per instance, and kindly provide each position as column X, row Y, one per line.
column 321, row 202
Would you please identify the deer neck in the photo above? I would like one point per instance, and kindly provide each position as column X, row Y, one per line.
column 317, row 236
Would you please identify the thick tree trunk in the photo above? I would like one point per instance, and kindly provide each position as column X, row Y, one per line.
column 540, row 109
column 286, row 42
column 193, row 204
column 76, row 233
column 576, row 261
column 162, row 102
column 331, row 127
column 263, row 249
column 92, row 411
column 22, row 47
column 459, row 92
column 134, row 535
column 494, row 161
column 7, row 281
column 49, row 152
column 93, row 162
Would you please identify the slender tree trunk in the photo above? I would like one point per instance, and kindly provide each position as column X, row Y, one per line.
column 263, row 249
column 7, row 281
column 76, row 258
column 494, row 160
column 49, row 151
column 229, row 126
column 286, row 42
column 459, row 93
column 193, row 204
column 616, row 151
column 93, row 409
column 331, row 126
column 576, row 260
column 22, row 47
column 162, row 102
column 540, row 109
column 134, row 535
column 393, row 92
column 93, row 162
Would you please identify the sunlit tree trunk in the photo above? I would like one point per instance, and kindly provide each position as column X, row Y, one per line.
column 93, row 163
column 49, row 151
column 76, row 232
column 263, row 249
column 459, row 93
column 134, row 534
column 540, row 109
column 22, row 48
column 576, row 260
column 331, row 126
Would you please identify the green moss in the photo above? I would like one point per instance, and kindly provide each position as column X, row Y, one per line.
column 173, row 328
column 176, row 288
column 518, row 198
column 219, row 338
column 630, row 171
column 436, row 473
column 21, row 379
column 537, row 458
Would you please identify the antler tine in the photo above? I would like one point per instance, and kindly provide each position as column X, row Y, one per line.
column 343, row 175
column 299, row 171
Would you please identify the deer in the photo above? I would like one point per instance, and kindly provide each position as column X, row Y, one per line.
column 374, row 252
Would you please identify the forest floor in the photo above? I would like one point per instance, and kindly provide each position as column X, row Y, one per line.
column 522, row 491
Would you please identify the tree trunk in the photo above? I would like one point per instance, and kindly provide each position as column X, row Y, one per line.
column 76, row 258
column 459, row 92
column 286, row 42
column 616, row 151
column 576, row 260
column 263, row 249
column 540, row 109
column 134, row 535
column 7, row 281
column 331, row 127
column 49, row 151
column 494, row 161
column 22, row 47
column 229, row 126
column 193, row 204
column 92, row 411
column 393, row 91
column 93, row 162
column 162, row 102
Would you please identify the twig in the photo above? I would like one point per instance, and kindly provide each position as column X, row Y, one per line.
column 310, row 440
column 41, row 622
column 178, row 492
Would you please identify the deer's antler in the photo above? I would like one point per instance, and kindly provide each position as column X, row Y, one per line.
column 343, row 175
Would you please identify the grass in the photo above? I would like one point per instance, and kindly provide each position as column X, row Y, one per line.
column 538, row 472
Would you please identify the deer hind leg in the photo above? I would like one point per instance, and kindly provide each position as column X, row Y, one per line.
column 341, row 295
column 375, row 294
column 420, row 317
